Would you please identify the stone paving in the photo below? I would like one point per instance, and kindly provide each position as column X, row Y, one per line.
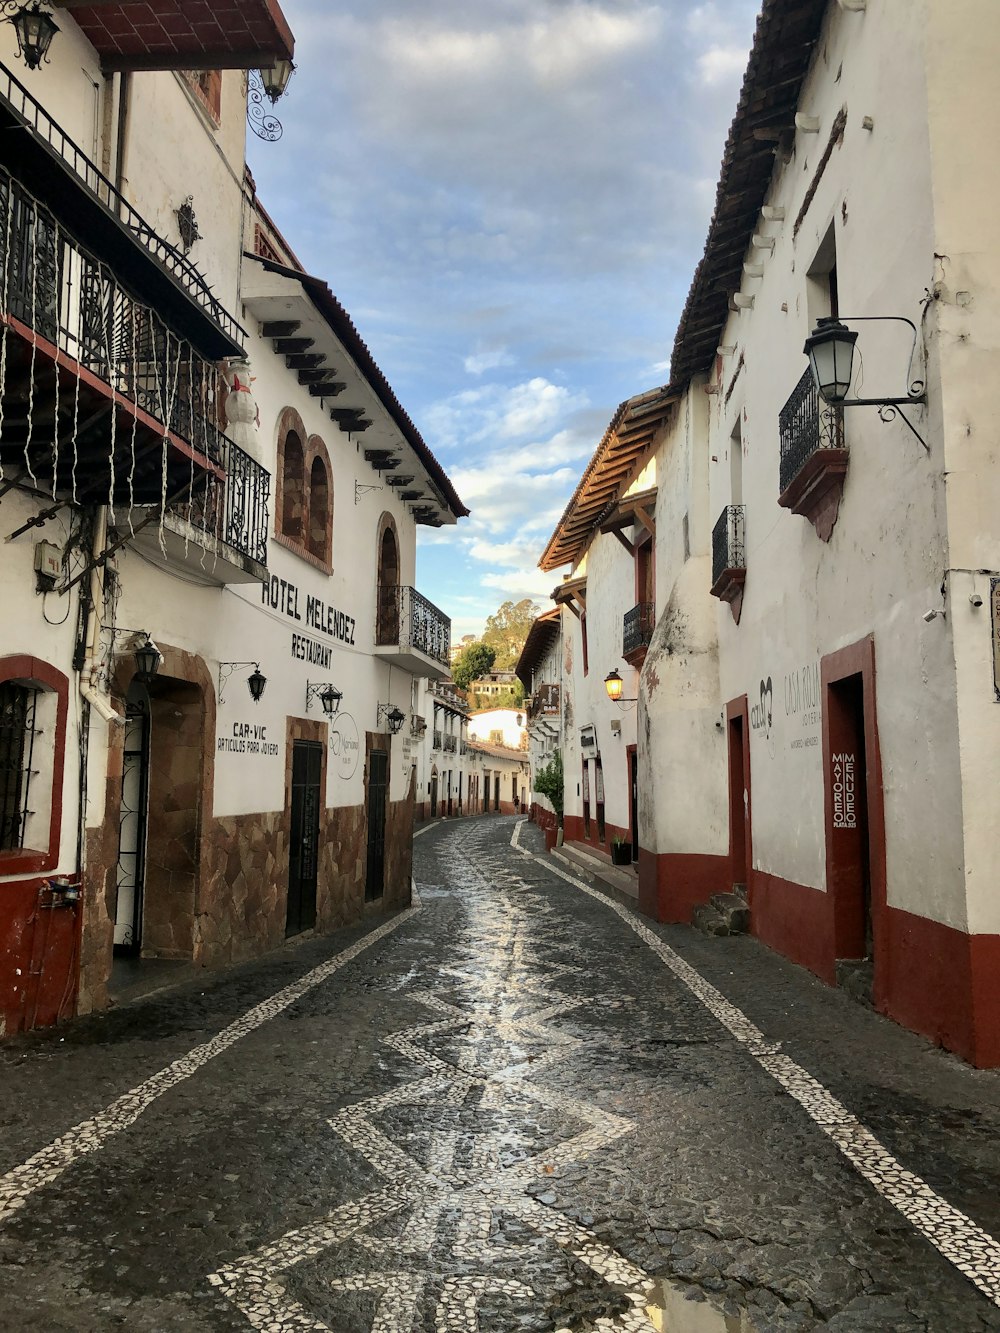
column 513, row 1107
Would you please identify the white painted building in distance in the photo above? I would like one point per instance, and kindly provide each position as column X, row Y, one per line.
column 818, row 715
column 199, row 453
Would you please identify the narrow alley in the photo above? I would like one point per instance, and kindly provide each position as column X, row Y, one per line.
column 513, row 1106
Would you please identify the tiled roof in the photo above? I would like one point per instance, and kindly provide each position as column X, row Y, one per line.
column 629, row 436
column 784, row 42
column 499, row 751
column 543, row 633
column 186, row 34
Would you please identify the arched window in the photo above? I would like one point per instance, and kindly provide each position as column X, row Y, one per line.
column 388, row 583
column 293, row 488
column 319, row 509
column 33, row 710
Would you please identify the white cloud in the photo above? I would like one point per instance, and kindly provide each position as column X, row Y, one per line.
column 479, row 362
column 496, row 412
column 525, row 583
column 721, row 65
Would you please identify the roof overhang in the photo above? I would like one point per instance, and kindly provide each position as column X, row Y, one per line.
column 183, row 34
column 572, row 591
column 628, row 439
column 764, row 125
column 277, row 295
column 637, row 509
column 542, row 634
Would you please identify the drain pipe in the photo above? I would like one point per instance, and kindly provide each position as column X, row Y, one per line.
column 88, row 671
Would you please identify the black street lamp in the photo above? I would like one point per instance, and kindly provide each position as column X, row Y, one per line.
column 275, row 77
column 147, row 660
column 35, row 30
column 830, row 349
column 392, row 715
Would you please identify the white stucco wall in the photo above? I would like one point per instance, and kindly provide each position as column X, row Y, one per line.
column 882, row 568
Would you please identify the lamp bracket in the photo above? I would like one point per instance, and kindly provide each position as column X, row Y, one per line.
column 264, row 123
column 316, row 690
column 226, row 669
column 360, row 490
column 916, row 390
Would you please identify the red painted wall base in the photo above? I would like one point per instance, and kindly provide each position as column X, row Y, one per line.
column 673, row 884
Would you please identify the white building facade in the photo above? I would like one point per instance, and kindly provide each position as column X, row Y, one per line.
column 817, row 716
column 196, row 431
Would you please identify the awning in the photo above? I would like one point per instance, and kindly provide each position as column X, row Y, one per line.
column 184, row 34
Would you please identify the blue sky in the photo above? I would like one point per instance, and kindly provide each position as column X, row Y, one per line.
column 510, row 198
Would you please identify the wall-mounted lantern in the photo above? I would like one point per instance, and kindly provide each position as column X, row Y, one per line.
column 275, row 77
column 256, row 681
column 830, row 349
column 148, row 659
column 34, row 29
column 614, row 685
column 328, row 695
column 393, row 717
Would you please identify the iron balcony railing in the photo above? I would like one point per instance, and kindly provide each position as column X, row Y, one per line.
column 450, row 743
column 637, row 627
column 728, row 541
column 54, row 287
column 806, row 424
column 437, row 739
column 408, row 620
column 38, row 121
column 233, row 510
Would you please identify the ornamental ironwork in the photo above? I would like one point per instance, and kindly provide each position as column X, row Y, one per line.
column 260, row 115
column 637, row 627
column 806, row 424
column 408, row 620
column 728, row 541
column 29, row 113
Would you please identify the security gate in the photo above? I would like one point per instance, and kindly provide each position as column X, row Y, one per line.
column 378, row 783
column 303, row 851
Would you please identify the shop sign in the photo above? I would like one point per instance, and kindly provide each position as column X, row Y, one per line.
column 249, row 738
column 995, row 608
column 344, row 745
column 802, row 704
column 762, row 715
column 845, row 814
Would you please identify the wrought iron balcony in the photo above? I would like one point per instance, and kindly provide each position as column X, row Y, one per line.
column 806, row 425
column 729, row 558
column 437, row 739
column 450, row 743
column 814, row 457
column 75, row 189
column 103, row 402
column 637, row 630
column 411, row 631
column 728, row 541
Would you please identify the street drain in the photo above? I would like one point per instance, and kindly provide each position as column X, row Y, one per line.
column 671, row 1310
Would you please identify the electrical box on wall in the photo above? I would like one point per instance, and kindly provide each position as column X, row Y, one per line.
column 48, row 566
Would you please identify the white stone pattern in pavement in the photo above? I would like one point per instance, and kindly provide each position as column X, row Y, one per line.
column 483, row 1050
column 46, row 1165
column 972, row 1250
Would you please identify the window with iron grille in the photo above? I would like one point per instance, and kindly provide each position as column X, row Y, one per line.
column 17, row 743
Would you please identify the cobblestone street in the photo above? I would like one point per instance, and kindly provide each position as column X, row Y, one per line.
column 514, row 1106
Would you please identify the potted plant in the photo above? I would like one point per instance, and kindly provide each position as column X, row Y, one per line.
column 621, row 851
column 549, row 783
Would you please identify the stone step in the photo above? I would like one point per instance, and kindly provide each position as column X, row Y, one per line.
column 710, row 922
column 734, row 911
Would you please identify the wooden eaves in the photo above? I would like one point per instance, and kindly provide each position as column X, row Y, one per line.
column 637, row 508
column 628, row 439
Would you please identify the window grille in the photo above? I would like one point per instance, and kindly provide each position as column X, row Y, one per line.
column 17, row 744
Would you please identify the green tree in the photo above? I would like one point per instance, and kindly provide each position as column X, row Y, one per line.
column 507, row 629
column 471, row 663
column 549, row 783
